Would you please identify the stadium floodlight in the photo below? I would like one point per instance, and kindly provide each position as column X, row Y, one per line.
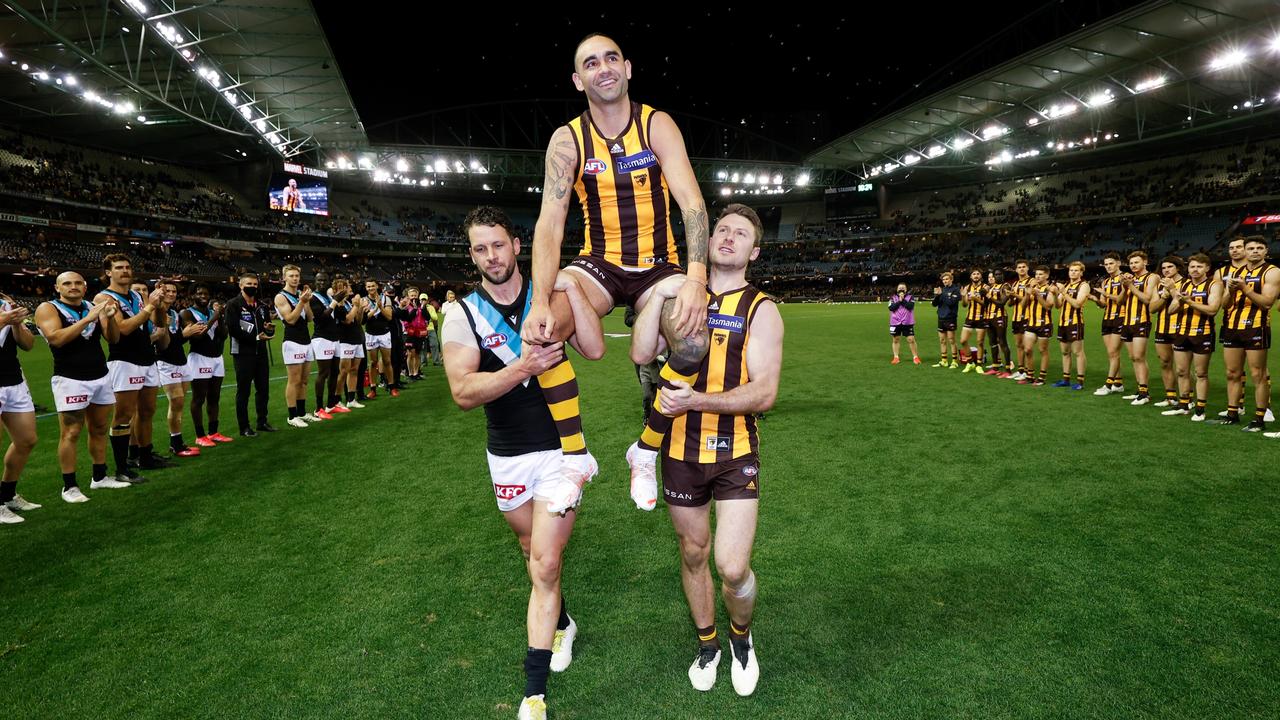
column 1100, row 99
column 962, row 142
column 937, row 151
column 993, row 131
column 722, row 175
column 1060, row 111
column 1033, row 120
column 1062, row 146
column 187, row 54
column 260, row 124
column 910, row 159
column 457, row 165
column 247, row 112
column 343, row 162
column 725, row 191
column 749, row 179
column 474, row 165
column 874, row 171
column 138, row 6
column 1049, row 145
column 1150, row 84
column 402, row 165
column 803, row 179
column 890, row 167
column 25, row 67
column 1229, row 59
column 381, row 175
column 70, row 80
column 777, row 179
column 1248, row 103
column 763, row 178
column 42, row 75
column 142, row 118
column 734, row 178
column 441, row 166
column 331, row 164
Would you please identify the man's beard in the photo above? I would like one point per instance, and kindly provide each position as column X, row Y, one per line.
column 499, row 279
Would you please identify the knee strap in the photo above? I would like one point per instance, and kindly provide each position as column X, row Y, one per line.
column 748, row 587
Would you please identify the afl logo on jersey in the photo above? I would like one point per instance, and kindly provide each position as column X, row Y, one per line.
column 595, row 166
column 494, row 340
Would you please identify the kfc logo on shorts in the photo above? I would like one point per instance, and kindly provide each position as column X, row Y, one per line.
column 175, row 375
column 137, row 380
column 206, row 371
column 494, row 340
column 74, row 399
column 299, row 356
column 508, row 492
column 595, row 166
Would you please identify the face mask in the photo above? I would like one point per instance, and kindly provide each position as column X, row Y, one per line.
column 251, row 291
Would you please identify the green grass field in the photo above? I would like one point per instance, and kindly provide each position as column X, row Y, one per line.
column 931, row 545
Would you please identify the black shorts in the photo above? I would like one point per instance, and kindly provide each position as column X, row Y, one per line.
column 976, row 324
column 1166, row 338
column 997, row 326
column 902, row 330
column 692, row 484
column 946, row 326
column 1112, row 327
column 1041, row 331
column 1070, row 333
column 1129, row 332
column 1018, row 326
column 624, row 286
column 1258, row 338
column 1198, row 344
column 414, row 343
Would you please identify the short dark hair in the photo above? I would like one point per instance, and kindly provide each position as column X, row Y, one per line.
column 1021, row 261
column 199, row 287
column 1113, row 255
column 1045, row 268
column 248, row 274
column 1256, row 239
column 166, row 281
column 587, row 37
column 1200, row 258
column 749, row 214
column 489, row 216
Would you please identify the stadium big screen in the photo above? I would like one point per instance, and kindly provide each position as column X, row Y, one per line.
column 299, row 189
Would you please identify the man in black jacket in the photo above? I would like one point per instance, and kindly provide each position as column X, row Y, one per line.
column 249, row 322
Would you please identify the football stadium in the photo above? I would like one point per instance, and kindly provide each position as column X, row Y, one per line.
column 399, row 361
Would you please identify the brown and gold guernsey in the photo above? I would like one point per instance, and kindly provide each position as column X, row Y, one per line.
column 995, row 303
column 976, row 295
column 1114, row 310
column 710, row 437
column 1137, row 312
column 1195, row 323
column 1019, row 313
column 1245, row 313
column 625, row 203
column 1170, row 323
column 1038, row 313
column 1069, row 314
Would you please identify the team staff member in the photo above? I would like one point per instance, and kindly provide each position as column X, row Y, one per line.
column 249, row 324
column 902, row 322
column 947, row 299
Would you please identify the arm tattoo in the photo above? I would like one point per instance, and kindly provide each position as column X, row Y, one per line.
column 561, row 156
column 695, row 234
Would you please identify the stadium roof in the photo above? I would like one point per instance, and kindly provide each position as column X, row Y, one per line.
column 1158, row 71
column 155, row 76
